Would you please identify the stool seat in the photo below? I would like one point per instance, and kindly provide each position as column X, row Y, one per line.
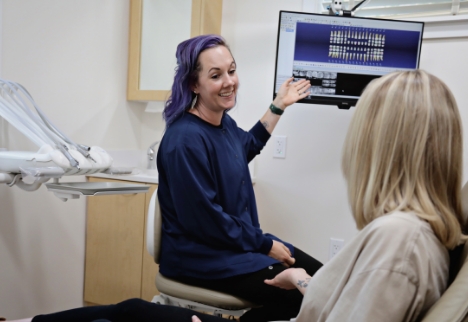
column 177, row 289
column 179, row 294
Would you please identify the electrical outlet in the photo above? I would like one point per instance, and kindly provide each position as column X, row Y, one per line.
column 280, row 147
column 335, row 247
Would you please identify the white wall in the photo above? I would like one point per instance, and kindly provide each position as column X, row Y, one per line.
column 303, row 198
column 72, row 57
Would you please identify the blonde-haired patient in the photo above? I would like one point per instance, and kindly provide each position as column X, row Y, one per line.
column 402, row 160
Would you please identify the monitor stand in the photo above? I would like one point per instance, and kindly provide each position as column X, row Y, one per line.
column 344, row 106
column 341, row 12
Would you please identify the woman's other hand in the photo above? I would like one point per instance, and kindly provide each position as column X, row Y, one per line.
column 289, row 92
column 281, row 253
column 195, row 319
column 290, row 279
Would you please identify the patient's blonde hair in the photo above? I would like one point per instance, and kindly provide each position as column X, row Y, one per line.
column 403, row 152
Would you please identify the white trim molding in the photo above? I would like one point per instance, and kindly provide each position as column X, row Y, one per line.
column 435, row 27
column 444, row 26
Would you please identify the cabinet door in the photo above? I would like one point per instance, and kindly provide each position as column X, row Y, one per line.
column 150, row 268
column 114, row 247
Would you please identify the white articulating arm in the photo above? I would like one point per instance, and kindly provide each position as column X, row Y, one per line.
column 57, row 156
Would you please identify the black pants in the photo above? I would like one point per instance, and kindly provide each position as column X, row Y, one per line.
column 277, row 304
column 134, row 310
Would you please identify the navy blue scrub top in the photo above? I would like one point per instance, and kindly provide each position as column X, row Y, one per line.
column 210, row 222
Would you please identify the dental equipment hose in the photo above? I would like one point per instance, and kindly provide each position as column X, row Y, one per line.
column 39, row 129
column 83, row 149
column 34, row 120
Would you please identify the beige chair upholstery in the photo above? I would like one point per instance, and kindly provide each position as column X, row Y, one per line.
column 453, row 305
column 179, row 294
column 200, row 295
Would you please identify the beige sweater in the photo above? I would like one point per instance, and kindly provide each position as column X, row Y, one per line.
column 393, row 270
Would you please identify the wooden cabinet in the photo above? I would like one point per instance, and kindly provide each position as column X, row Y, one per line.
column 117, row 265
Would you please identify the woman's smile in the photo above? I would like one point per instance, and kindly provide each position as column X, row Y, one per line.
column 217, row 82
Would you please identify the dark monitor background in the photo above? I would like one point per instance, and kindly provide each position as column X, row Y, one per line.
column 341, row 55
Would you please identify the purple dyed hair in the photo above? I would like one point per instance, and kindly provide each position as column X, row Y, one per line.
column 186, row 74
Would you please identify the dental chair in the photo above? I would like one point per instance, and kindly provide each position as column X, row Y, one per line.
column 178, row 294
column 451, row 307
column 453, row 304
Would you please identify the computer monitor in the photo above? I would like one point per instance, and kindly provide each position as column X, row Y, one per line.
column 341, row 55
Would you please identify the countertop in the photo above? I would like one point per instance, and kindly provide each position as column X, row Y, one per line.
column 136, row 162
column 144, row 176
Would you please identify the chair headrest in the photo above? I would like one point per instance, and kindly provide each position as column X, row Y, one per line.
column 453, row 305
column 464, row 200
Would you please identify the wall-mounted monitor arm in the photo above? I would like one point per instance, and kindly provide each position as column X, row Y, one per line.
column 336, row 9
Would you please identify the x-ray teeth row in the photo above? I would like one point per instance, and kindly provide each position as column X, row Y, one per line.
column 357, row 38
column 317, row 90
column 353, row 53
column 313, row 74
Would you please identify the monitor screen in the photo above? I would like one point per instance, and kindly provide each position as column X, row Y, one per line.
column 341, row 55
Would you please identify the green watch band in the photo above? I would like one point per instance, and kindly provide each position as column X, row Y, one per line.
column 276, row 110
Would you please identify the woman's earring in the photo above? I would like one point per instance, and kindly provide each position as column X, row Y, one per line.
column 194, row 101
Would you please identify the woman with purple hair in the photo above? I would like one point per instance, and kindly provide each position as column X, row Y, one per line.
column 211, row 235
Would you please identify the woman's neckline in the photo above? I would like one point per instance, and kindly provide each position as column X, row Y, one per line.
column 220, row 126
